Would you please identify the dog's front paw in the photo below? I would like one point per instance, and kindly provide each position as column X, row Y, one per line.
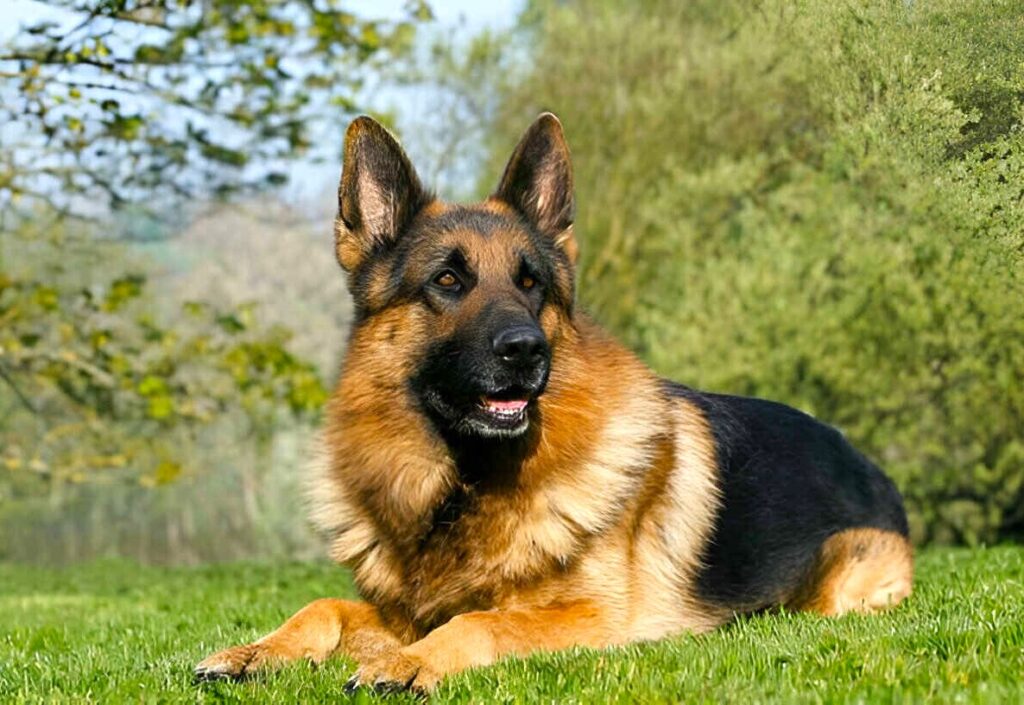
column 229, row 664
column 397, row 671
column 236, row 663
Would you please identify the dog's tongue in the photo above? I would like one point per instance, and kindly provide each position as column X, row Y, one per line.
column 503, row 405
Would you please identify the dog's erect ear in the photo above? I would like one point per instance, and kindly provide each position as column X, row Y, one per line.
column 379, row 193
column 538, row 181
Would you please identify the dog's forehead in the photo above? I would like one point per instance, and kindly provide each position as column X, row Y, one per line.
column 489, row 236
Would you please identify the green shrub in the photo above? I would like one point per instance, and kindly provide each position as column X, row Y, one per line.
column 137, row 422
column 818, row 202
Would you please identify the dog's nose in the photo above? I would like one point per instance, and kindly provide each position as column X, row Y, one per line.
column 520, row 344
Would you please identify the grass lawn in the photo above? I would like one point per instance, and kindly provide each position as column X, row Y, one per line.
column 115, row 632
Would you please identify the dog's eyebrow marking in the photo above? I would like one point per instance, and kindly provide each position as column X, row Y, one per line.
column 529, row 264
column 456, row 259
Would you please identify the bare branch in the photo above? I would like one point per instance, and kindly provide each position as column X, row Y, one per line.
column 25, row 401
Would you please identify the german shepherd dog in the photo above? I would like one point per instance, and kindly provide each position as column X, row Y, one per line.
column 503, row 477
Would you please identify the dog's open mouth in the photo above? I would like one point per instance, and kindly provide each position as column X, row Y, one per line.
column 502, row 413
column 504, row 409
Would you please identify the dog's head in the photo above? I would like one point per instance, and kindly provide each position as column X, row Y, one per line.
column 464, row 303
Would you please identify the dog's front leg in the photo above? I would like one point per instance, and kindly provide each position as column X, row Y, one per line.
column 319, row 630
column 481, row 638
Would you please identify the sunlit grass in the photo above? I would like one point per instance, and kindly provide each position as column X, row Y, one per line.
column 115, row 632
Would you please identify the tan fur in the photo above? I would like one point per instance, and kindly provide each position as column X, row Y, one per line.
column 595, row 543
column 580, row 483
column 606, row 519
column 858, row 570
column 316, row 632
column 592, row 536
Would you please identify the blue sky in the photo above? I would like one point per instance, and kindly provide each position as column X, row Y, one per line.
column 477, row 14
column 309, row 181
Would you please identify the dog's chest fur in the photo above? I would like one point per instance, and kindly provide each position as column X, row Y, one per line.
column 428, row 540
column 472, row 545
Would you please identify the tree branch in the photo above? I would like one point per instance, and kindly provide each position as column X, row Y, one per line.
column 26, row 402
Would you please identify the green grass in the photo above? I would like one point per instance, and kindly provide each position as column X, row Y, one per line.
column 114, row 632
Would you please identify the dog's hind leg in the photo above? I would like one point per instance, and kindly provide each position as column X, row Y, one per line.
column 318, row 631
column 858, row 570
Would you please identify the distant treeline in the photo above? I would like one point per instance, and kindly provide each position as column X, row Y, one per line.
column 818, row 202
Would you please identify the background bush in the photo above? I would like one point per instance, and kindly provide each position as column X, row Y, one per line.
column 151, row 402
column 160, row 413
column 818, row 202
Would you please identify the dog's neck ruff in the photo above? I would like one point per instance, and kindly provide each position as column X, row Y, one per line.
column 384, row 474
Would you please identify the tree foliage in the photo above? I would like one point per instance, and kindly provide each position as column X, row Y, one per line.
column 111, row 102
column 821, row 203
column 99, row 382
column 139, row 105
column 116, row 111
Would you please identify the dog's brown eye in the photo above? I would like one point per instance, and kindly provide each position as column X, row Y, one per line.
column 527, row 282
column 446, row 279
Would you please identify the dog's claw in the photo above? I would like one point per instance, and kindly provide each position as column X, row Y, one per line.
column 378, row 687
column 234, row 664
column 210, row 675
column 388, row 688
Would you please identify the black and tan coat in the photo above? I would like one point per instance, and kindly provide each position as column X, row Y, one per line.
column 503, row 477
